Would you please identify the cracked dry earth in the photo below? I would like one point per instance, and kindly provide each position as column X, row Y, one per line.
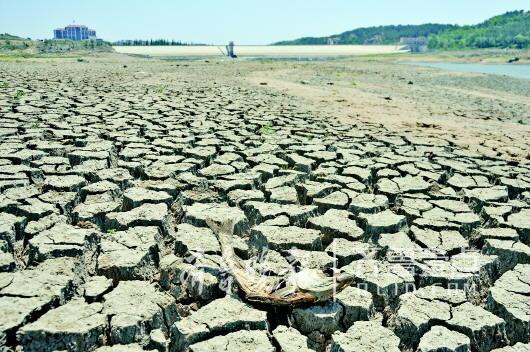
column 108, row 180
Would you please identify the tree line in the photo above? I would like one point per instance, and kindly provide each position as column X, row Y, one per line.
column 510, row 30
column 149, row 42
column 373, row 35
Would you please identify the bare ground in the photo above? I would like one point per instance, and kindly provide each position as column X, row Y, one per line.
column 484, row 113
column 112, row 169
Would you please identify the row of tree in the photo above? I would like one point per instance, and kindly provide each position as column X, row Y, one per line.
column 373, row 35
column 158, row 42
column 510, row 30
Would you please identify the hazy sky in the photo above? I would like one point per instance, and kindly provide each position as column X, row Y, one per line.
column 244, row 21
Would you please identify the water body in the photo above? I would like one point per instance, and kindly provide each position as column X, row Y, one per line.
column 519, row 71
column 265, row 51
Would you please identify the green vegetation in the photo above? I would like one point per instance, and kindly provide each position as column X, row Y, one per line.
column 18, row 95
column 373, row 35
column 266, row 129
column 511, row 30
column 143, row 42
column 52, row 46
column 7, row 36
column 160, row 89
column 10, row 42
column 17, row 47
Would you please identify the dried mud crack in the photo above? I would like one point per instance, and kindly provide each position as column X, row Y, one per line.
column 110, row 175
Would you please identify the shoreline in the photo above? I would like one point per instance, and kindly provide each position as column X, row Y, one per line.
column 260, row 50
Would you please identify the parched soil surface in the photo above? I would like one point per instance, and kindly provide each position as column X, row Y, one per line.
column 110, row 171
column 488, row 114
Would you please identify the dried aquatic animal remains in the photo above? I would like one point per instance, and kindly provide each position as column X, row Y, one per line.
column 305, row 286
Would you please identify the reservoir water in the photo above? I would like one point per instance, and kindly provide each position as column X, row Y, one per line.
column 519, row 71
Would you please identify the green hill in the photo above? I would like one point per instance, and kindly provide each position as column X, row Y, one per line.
column 10, row 42
column 510, row 30
column 17, row 45
column 57, row 46
column 373, row 35
column 7, row 36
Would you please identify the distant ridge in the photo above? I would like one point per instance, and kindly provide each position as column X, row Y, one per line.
column 373, row 35
column 509, row 30
column 7, row 36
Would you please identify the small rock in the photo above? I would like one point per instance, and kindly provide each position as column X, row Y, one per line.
column 485, row 330
column 298, row 215
column 521, row 222
column 216, row 170
column 335, row 200
column 96, row 286
column 144, row 215
column 347, row 251
column 198, row 214
column 191, row 278
column 284, row 195
column 365, row 336
column 136, row 308
column 336, row 224
column 238, row 197
column 325, row 319
column 129, row 255
column 420, row 310
column 440, row 338
column 239, row 341
column 357, row 305
column 136, row 196
column 133, row 347
column 383, row 280
column 64, row 183
column 383, row 222
column 284, row 238
column 59, row 241
column 508, row 299
column 158, row 341
column 189, row 238
column 368, row 203
column 290, row 339
column 510, row 253
column 312, row 259
column 518, row 347
column 76, row 326
column 221, row 316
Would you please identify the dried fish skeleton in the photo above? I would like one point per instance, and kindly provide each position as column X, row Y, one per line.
column 305, row 286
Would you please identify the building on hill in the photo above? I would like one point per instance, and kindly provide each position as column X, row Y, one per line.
column 74, row 32
column 415, row 44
